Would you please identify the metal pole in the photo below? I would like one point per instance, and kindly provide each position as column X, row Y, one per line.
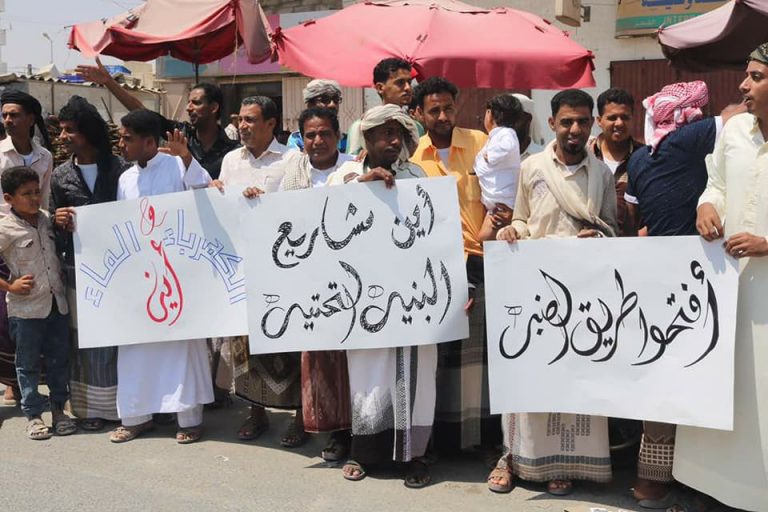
column 50, row 42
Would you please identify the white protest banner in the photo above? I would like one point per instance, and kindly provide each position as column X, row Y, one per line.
column 355, row 266
column 632, row 327
column 160, row 268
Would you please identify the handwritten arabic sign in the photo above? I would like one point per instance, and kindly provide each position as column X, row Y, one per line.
column 167, row 268
column 355, row 266
column 636, row 328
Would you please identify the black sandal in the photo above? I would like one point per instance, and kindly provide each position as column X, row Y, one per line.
column 417, row 475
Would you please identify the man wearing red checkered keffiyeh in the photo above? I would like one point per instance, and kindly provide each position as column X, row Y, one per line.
column 672, row 107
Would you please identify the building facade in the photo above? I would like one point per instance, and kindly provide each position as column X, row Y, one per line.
column 620, row 33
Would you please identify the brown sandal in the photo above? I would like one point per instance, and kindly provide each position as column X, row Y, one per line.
column 123, row 434
column 189, row 435
column 497, row 474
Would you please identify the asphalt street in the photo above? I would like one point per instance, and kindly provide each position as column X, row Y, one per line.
column 85, row 472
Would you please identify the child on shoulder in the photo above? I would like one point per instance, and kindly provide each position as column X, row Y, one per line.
column 37, row 304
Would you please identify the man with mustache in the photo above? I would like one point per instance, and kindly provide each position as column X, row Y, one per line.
column 564, row 192
column 462, row 417
column 732, row 466
column 384, row 428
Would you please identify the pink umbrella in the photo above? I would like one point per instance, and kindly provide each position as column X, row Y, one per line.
column 472, row 47
column 720, row 38
column 197, row 31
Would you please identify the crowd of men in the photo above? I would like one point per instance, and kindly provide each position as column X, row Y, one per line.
column 690, row 174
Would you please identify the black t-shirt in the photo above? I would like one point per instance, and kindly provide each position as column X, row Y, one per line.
column 210, row 160
column 667, row 184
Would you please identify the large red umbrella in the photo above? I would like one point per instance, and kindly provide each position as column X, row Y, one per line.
column 197, row 31
column 720, row 38
column 472, row 47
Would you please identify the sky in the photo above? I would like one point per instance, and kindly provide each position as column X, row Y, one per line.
column 25, row 21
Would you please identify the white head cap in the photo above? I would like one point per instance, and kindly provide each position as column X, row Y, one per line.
column 535, row 132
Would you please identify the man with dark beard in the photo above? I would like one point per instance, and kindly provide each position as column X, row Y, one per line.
column 564, row 192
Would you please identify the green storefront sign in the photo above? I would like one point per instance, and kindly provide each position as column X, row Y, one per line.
column 642, row 17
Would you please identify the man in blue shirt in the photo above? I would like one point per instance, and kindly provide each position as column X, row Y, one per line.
column 665, row 182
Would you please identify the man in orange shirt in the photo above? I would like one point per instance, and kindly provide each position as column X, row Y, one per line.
column 462, row 416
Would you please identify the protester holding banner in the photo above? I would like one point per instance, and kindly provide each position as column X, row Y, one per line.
column 665, row 181
column 379, row 376
column 563, row 192
column 732, row 466
column 174, row 376
column 21, row 114
column 208, row 142
column 90, row 176
column 267, row 380
column 462, row 417
column 324, row 379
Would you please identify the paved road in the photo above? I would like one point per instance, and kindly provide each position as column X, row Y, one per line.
column 85, row 472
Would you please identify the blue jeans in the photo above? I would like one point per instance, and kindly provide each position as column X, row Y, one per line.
column 48, row 337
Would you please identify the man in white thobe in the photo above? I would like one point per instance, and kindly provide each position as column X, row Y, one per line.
column 168, row 377
column 732, row 466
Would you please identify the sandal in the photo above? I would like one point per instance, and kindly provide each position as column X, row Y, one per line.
column 255, row 425
column 337, row 447
column 123, row 434
column 92, row 424
column 189, row 435
column 560, row 487
column 417, row 475
column 348, row 471
column 294, row 436
column 500, row 474
column 63, row 425
column 37, row 430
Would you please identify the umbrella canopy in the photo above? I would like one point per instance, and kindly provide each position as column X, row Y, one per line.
column 198, row 31
column 720, row 38
column 472, row 47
